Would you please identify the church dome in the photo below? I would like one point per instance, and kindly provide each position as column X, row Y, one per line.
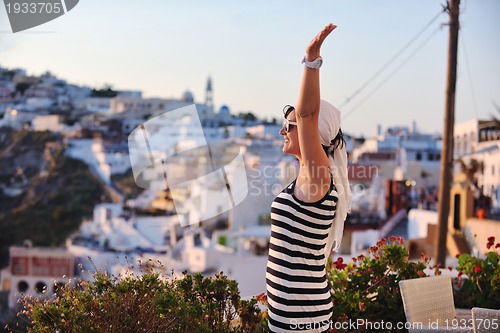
column 224, row 109
column 188, row 97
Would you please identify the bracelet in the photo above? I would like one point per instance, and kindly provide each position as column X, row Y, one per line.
column 315, row 64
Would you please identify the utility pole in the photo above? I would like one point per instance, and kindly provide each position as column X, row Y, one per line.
column 447, row 152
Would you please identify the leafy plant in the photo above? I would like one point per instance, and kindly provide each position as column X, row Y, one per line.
column 368, row 287
column 481, row 286
column 148, row 302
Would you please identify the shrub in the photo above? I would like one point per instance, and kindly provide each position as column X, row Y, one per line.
column 368, row 287
column 481, row 287
column 144, row 303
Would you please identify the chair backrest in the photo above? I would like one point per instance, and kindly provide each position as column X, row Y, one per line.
column 485, row 320
column 428, row 299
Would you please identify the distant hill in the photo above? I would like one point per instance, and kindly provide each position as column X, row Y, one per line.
column 56, row 191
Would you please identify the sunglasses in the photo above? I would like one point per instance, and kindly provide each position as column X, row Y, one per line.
column 287, row 125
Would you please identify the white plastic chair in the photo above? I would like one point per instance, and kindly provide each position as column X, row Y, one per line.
column 486, row 320
column 429, row 307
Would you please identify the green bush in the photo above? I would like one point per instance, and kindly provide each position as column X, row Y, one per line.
column 144, row 303
column 481, row 288
column 368, row 287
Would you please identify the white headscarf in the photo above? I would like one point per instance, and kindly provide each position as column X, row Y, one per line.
column 329, row 126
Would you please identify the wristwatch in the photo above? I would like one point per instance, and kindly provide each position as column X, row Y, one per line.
column 315, row 64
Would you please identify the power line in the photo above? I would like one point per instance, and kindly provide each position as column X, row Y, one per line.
column 469, row 75
column 387, row 64
column 392, row 73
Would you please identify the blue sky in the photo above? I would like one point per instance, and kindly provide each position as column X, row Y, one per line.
column 253, row 50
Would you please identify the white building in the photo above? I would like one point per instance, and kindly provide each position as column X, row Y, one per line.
column 101, row 161
column 39, row 102
column 98, row 104
column 401, row 154
column 267, row 172
column 112, row 231
column 46, row 123
column 480, row 140
column 32, row 271
column 17, row 117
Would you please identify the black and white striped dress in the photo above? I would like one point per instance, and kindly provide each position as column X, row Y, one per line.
column 298, row 294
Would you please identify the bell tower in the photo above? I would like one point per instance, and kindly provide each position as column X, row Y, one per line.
column 209, row 103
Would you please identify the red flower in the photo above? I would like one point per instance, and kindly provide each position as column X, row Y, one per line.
column 361, row 306
column 262, row 298
column 460, row 274
column 497, row 246
column 477, row 269
column 491, row 242
column 339, row 264
column 457, row 255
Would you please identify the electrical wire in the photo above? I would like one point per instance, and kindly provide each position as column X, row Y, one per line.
column 391, row 74
column 469, row 76
column 388, row 63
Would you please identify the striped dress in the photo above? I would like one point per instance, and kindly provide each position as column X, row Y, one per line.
column 298, row 294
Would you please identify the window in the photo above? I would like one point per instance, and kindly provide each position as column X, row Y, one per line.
column 419, row 156
column 22, row 286
column 57, row 288
column 40, row 287
column 6, row 285
column 19, row 266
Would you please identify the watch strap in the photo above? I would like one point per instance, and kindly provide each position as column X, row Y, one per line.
column 315, row 64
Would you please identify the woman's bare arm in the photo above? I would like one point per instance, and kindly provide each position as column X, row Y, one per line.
column 313, row 157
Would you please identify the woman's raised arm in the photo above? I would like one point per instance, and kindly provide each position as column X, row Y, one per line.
column 313, row 158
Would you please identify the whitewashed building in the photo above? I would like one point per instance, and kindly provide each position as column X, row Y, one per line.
column 480, row 140
column 35, row 271
column 48, row 122
column 403, row 154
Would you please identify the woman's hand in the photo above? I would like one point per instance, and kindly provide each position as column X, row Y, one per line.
column 313, row 49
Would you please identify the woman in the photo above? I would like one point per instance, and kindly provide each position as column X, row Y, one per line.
column 308, row 215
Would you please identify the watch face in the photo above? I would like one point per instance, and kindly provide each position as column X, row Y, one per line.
column 320, row 62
